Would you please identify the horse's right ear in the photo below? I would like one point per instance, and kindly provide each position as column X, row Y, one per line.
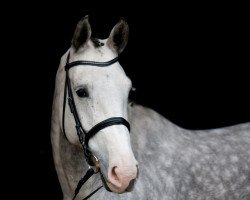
column 118, row 37
column 82, row 33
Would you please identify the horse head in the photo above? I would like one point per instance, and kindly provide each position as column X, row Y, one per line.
column 101, row 93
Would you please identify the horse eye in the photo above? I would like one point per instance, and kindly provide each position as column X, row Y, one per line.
column 82, row 93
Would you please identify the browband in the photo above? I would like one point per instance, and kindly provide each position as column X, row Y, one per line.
column 92, row 63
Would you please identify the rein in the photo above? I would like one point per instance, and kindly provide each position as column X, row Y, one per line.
column 83, row 135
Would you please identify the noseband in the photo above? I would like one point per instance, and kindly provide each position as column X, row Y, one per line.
column 83, row 135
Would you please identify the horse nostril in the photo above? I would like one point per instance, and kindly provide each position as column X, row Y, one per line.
column 132, row 182
column 114, row 174
column 131, row 185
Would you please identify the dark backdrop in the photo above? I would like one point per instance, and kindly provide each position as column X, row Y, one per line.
column 188, row 62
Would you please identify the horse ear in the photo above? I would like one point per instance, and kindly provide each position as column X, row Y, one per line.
column 82, row 33
column 118, row 37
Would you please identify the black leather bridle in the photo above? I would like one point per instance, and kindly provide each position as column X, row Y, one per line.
column 83, row 135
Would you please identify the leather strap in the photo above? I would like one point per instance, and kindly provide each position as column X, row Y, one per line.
column 106, row 123
column 92, row 63
column 103, row 124
column 83, row 180
column 92, row 193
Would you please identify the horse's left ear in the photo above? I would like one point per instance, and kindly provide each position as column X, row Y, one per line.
column 82, row 33
column 118, row 37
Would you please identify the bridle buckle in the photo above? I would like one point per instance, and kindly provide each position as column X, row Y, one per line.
column 96, row 164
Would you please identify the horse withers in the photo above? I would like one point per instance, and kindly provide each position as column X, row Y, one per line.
column 133, row 151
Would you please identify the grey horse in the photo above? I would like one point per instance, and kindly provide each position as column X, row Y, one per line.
column 156, row 159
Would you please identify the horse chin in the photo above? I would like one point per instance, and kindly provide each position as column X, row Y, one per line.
column 109, row 186
column 112, row 188
column 115, row 189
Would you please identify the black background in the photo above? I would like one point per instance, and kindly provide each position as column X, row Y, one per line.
column 188, row 62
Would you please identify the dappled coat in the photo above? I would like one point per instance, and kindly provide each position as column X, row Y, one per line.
column 174, row 163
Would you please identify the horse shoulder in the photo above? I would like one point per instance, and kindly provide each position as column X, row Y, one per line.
column 183, row 160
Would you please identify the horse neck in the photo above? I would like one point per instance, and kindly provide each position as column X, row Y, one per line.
column 150, row 128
